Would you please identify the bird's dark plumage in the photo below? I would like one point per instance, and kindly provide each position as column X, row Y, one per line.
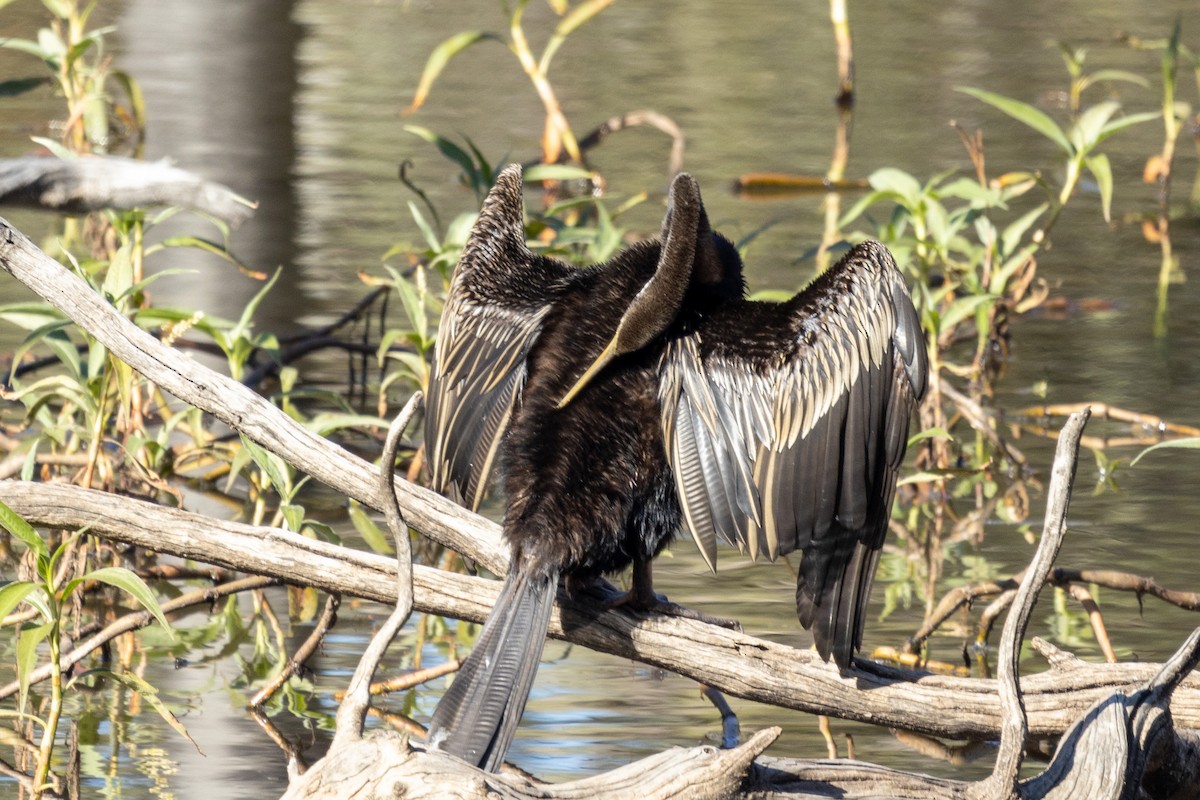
column 624, row 399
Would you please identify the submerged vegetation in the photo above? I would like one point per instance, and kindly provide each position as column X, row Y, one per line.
column 971, row 242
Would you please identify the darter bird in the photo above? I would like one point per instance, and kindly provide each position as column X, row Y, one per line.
column 622, row 401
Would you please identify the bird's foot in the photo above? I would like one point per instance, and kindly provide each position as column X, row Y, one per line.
column 642, row 599
column 659, row 604
column 662, row 605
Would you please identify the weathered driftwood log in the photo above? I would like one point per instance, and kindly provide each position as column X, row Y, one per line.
column 239, row 407
column 93, row 183
column 385, row 766
column 735, row 663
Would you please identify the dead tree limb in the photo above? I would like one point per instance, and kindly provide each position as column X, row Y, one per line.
column 352, row 712
column 241, row 408
column 94, row 183
column 1003, row 781
column 384, row 766
column 735, row 663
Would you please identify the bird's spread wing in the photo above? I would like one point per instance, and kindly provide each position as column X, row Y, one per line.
column 785, row 425
column 498, row 297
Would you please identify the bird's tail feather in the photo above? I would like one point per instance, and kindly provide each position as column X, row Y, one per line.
column 478, row 715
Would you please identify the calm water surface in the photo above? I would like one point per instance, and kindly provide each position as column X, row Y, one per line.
column 297, row 105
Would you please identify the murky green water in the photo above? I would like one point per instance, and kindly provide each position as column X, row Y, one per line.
column 298, row 106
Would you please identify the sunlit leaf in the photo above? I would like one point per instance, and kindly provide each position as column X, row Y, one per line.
column 57, row 149
column 1127, row 121
column 556, row 172
column 244, row 322
column 13, row 594
column 1086, row 129
column 54, row 336
column 18, row 527
column 440, row 57
column 890, row 179
column 325, row 424
column 1024, row 113
column 26, row 46
column 371, row 533
column 27, row 657
column 207, row 246
column 129, row 582
column 1109, row 75
column 579, row 15
column 931, row 433
column 1010, row 238
column 962, row 308
column 267, row 463
column 431, row 237
column 148, row 693
column 1192, row 443
column 51, row 44
column 62, row 9
column 1101, row 170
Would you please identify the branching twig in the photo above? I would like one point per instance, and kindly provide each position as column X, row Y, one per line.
column 1015, row 728
column 635, row 118
column 328, row 616
column 352, row 712
column 140, row 619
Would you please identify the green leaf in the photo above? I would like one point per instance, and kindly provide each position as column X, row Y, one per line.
column 962, row 308
column 1127, row 121
column 14, row 524
column 13, row 594
column 268, row 464
column 931, row 433
column 54, row 336
column 1085, row 132
column 26, row 46
column 27, row 644
column 17, row 86
column 556, row 172
column 450, row 150
column 1192, row 443
column 128, row 582
column 133, row 90
column 243, row 324
column 890, row 179
column 1108, row 75
column 147, row 692
column 293, row 515
column 29, row 315
column 431, row 237
column 375, row 538
column 207, row 246
column 1101, row 170
column 327, row 423
column 60, row 8
column 1023, row 113
column 579, row 15
column 57, row 149
column 1010, row 239
column 440, row 57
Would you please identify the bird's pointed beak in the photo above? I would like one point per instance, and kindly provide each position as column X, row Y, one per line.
column 606, row 355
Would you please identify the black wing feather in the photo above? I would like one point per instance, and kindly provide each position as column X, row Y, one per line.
column 498, row 297
column 800, row 452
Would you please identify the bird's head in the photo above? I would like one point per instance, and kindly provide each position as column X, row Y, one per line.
column 691, row 256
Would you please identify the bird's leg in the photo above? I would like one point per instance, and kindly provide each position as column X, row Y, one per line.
column 731, row 729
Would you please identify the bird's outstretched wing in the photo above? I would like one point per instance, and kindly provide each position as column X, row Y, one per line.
column 785, row 425
column 498, row 297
